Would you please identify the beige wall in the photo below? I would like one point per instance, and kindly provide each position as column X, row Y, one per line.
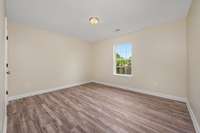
column 39, row 60
column 2, row 63
column 193, row 28
column 159, row 60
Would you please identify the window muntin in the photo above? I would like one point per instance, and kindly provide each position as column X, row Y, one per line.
column 123, row 59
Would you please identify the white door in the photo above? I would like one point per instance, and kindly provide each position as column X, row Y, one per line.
column 6, row 62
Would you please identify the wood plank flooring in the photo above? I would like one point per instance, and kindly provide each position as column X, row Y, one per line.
column 95, row 108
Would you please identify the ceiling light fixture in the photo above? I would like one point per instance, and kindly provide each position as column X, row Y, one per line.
column 94, row 20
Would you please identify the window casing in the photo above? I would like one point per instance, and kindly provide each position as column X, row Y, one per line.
column 123, row 59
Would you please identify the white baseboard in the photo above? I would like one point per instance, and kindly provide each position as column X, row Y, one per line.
column 176, row 98
column 181, row 99
column 44, row 91
column 194, row 120
column 5, row 124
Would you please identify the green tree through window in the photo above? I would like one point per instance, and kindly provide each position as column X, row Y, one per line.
column 123, row 59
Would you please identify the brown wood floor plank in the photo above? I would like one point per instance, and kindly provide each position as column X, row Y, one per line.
column 96, row 108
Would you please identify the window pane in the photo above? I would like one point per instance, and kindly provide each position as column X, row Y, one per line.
column 123, row 59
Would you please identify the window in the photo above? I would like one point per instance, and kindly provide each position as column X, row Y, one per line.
column 123, row 59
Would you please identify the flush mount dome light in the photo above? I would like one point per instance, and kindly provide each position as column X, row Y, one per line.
column 94, row 20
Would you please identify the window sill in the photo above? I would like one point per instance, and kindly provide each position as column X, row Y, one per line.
column 123, row 75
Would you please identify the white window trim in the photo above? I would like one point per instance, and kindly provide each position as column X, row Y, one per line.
column 114, row 63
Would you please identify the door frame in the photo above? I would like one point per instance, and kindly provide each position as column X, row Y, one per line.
column 5, row 74
column 6, row 61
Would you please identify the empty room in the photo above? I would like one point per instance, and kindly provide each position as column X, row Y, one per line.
column 100, row 66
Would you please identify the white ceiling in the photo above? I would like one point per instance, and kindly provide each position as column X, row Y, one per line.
column 71, row 16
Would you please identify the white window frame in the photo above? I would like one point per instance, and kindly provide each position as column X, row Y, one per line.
column 114, row 60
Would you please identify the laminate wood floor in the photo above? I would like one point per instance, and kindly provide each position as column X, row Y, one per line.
column 95, row 108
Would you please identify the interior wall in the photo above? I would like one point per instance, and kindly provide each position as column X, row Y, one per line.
column 36, row 63
column 160, row 62
column 2, row 64
column 193, row 34
column 40, row 60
